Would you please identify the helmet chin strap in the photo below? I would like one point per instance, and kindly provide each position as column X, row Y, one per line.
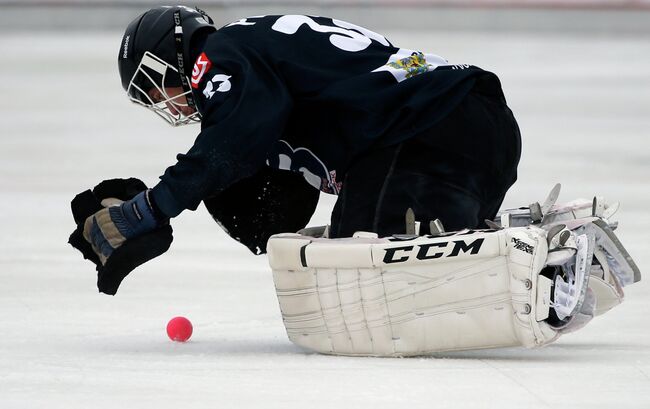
column 178, row 39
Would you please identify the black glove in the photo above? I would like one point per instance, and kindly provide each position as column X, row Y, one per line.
column 271, row 201
column 133, row 252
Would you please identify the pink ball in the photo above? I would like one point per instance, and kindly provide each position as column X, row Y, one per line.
column 179, row 329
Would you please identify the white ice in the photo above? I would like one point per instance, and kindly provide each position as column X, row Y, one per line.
column 583, row 104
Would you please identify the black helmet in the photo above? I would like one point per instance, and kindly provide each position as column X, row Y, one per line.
column 164, row 35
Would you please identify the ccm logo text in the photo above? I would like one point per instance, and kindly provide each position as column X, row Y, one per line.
column 429, row 251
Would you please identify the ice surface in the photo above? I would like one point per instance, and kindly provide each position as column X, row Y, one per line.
column 583, row 105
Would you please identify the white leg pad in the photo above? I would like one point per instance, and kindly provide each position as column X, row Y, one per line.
column 387, row 297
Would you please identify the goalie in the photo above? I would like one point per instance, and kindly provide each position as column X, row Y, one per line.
column 293, row 105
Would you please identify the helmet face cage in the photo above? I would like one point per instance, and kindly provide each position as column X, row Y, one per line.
column 153, row 72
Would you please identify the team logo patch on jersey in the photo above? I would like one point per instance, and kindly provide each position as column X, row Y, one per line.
column 304, row 161
column 201, row 66
column 407, row 64
column 221, row 82
column 414, row 64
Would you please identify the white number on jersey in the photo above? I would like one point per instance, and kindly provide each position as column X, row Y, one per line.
column 343, row 37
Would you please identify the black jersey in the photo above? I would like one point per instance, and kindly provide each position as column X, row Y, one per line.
column 307, row 94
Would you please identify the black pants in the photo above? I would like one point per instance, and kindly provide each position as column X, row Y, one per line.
column 458, row 172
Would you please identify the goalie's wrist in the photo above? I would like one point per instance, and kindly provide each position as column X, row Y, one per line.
column 160, row 217
column 164, row 201
column 141, row 215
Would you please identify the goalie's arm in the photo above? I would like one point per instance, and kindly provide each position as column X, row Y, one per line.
column 240, row 123
column 244, row 112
